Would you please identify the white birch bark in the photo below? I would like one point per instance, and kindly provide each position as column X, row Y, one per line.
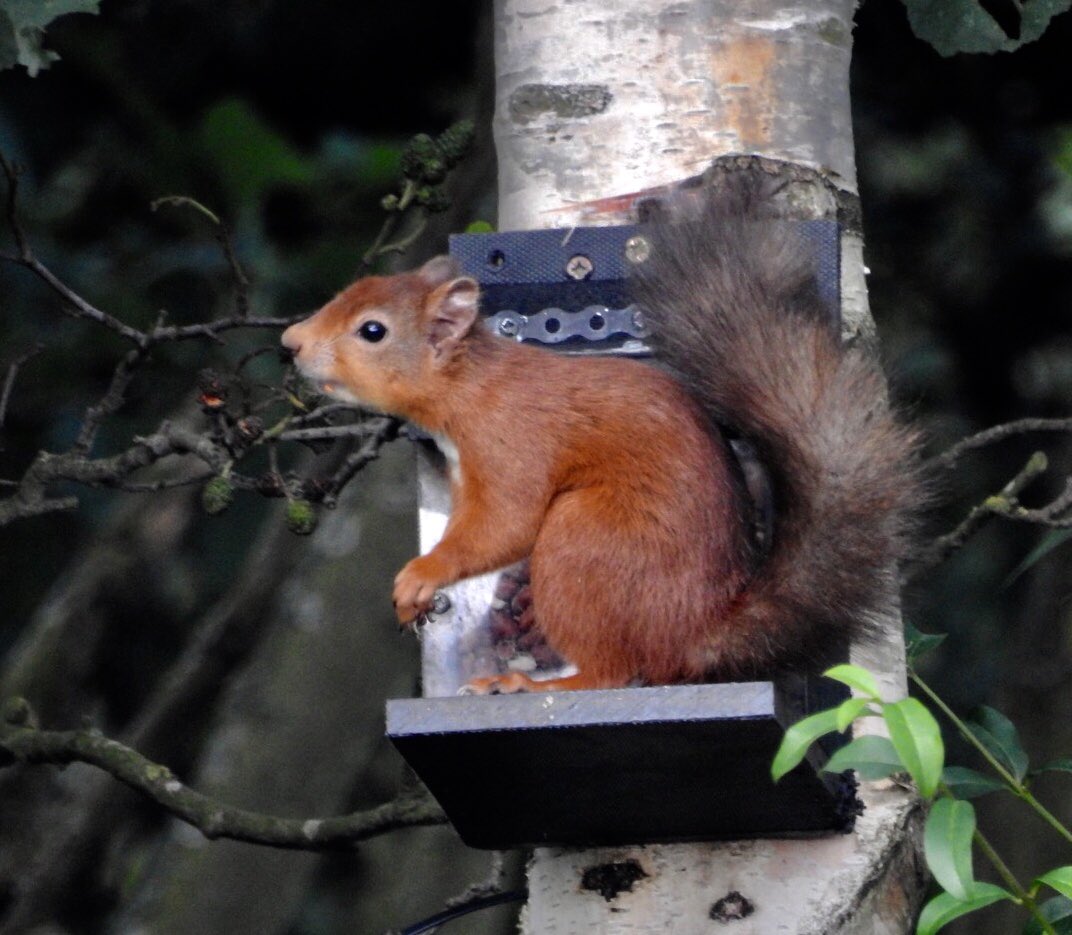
column 601, row 98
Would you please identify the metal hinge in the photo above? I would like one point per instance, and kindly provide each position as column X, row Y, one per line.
column 556, row 326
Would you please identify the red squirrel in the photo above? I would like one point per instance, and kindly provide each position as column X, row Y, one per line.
column 615, row 476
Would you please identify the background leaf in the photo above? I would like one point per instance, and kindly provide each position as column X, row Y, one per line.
column 953, row 26
column 967, row 783
column 1060, row 879
column 918, row 644
column 999, row 735
column 249, row 155
column 1056, row 911
column 1062, row 764
column 1050, row 541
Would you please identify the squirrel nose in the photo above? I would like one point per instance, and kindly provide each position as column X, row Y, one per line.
column 291, row 339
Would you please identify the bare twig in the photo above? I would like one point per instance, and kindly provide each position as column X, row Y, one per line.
column 223, row 237
column 1053, row 514
column 112, row 400
column 325, row 432
column 1006, row 504
column 81, row 308
column 381, row 430
column 169, row 483
column 76, row 306
column 409, row 192
column 321, row 412
column 188, row 202
column 404, row 243
column 11, row 171
column 212, row 329
column 998, row 433
column 20, row 742
column 12, row 373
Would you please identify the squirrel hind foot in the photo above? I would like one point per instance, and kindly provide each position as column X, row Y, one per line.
column 512, row 683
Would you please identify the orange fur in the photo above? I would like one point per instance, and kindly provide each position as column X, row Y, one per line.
column 603, row 470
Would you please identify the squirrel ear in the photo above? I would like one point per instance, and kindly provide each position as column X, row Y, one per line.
column 439, row 269
column 450, row 312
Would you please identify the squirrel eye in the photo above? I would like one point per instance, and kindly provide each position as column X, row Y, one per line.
column 372, row 331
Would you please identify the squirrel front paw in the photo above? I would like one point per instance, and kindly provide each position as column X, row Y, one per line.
column 415, row 587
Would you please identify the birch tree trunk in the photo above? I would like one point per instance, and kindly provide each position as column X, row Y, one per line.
column 603, row 98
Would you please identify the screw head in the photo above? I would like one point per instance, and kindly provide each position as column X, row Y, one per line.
column 579, row 267
column 637, row 249
column 509, row 327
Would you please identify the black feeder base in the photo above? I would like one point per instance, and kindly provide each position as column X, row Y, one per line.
column 625, row 766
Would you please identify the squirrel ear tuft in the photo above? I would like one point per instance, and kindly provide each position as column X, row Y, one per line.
column 439, row 269
column 450, row 312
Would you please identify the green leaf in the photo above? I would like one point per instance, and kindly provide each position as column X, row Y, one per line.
column 953, row 26
column 856, row 678
column 918, row 741
column 1056, row 911
column 947, row 846
column 248, row 154
column 945, row 907
column 999, row 735
column 480, row 227
column 967, row 783
column 22, row 29
column 871, row 756
column 918, row 643
column 799, row 738
column 1050, row 541
column 1063, row 160
column 1060, row 765
column 849, row 710
column 1059, row 879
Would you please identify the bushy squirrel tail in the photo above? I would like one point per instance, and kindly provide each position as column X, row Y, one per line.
column 731, row 298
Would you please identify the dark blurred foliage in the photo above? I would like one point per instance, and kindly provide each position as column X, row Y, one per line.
column 968, row 224
column 287, row 118
column 967, row 199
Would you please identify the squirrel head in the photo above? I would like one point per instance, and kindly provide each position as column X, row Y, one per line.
column 386, row 342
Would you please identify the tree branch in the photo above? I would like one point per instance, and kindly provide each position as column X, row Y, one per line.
column 223, row 237
column 112, row 400
column 31, row 495
column 233, row 430
column 20, row 742
column 1006, row 504
column 380, row 431
column 12, row 373
column 999, row 433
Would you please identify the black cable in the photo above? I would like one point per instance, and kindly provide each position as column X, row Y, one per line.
column 484, row 902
